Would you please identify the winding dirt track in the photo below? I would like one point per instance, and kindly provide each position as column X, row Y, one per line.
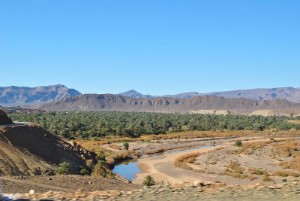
column 163, row 169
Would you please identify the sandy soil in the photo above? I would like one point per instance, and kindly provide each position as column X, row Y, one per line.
column 210, row 166
column 65, row 183
column 163, row 170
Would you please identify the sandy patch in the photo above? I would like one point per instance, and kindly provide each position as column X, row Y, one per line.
column 212, row 164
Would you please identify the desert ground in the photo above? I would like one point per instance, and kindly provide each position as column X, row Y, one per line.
column 195, row 168
column 259, row 160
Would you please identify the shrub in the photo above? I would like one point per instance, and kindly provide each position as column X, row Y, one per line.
column 126, row 145
column 238, row 143
column 101, row 156
column 113, row 159
column 258, row 171
column 286, row 174
column 267, row 178
column 235, row 167
column 148, row 181
column 63, row 168
column 84, row 171
column 101, row 169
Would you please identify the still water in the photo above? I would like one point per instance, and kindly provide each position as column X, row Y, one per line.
column 127, row 170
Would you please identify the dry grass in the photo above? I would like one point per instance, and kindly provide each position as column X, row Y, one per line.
column 267, row 178
column 235, row 170
column 292, row 164
column 235, row 167
column 294, row 121
column 155, row 151
column 119, row 157
column 115, row 147
column 250, row 148
column 94, row 146
column 182, row 161
column 257, row 171
column 202, row 134
column 286, row 174
column 187, row 135
column 287, row 148
column 256, row 145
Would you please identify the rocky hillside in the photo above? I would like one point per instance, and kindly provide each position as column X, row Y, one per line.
column 31, row 150
column 26, row 96
column 109, row 102
column 286, row 93
column 4, row 119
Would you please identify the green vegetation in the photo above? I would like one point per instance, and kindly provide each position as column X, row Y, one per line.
column 101, row 156
column 238, row 143
column 63, row 168
column 133, row 124
column 126, row 145
column 101, row 169
column 148, row 181
column 84, row 171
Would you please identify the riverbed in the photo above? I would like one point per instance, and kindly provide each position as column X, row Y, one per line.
column 130, row 169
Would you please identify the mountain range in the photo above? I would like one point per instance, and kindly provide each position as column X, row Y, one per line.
column 111, row 102
column 277, row 101
column 34, row 96
column 286, row 93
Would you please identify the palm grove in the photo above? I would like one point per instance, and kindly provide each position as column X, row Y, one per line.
column 132, row 124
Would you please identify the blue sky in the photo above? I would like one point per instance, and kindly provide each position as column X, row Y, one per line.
column 154, row 46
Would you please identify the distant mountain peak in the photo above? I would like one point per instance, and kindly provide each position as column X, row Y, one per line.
column 134, row 94
column 132, row 91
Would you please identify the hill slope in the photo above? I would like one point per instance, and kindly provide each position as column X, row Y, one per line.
column 31, row 150
column 286, row 93
column 26, row 96
column 109, row 102
column 4, row 119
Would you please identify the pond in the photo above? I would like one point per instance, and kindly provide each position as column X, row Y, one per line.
column 127, row 170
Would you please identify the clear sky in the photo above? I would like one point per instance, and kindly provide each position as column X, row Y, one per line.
column 154, row 46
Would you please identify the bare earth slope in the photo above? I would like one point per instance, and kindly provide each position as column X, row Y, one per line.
column 109, row 102
column 31, row 150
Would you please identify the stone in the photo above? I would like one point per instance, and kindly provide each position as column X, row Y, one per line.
column 31, row 192
column 198, row 183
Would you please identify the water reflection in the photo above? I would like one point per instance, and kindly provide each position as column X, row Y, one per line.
column 127, row 170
